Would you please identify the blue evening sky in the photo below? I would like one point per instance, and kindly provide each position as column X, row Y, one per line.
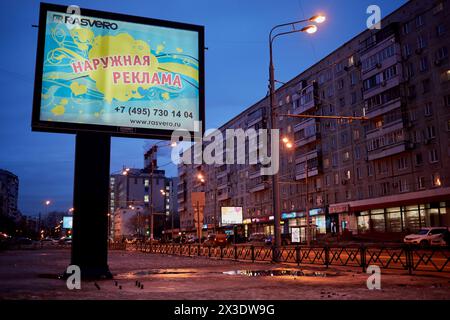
column 236, row 75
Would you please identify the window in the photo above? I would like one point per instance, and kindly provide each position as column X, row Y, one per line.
column 406, row 28
column 146, row 199
column 326, row 162
column 428, row 109
column 384, row 188
column 442, row 53
column 369, row 170
column 353, row 78
column 346, row 155
column 423, row 66
column 433, row 156
column 390, row 73
column 426, row 85
column 421, row 182
column 351, row 61
column 412, row 115
column 436, row 179
column 146, row 183
column 445, row 76
column 406, row 50
column 336, row 178
column 340, row 84
column 411, row 92
column 347, row 174
column 419, row 159
column 342, row 102
column 348, row 194
column 339, row 67
column 403, row 185
column 410, row 70
column 402, row 163
column 335, row 160
column 327, row 180
column 420, row 21
column 358, row 173
column 356, row 134
column 431, row 132
column 421, row 42
column 353, row 98
column 358, row 150
column 370, row 191
column 440, row 30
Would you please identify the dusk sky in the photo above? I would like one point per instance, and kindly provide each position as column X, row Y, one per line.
column 236, row 75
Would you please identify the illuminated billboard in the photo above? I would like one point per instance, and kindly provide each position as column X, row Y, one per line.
column 124, row 75
column 67, row 222
column 231, row 215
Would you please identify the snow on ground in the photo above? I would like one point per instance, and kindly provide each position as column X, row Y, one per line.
column 31, row 274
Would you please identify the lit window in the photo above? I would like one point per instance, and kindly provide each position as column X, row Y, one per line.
column 146, row 182
column 436, row 178
column 146, row 199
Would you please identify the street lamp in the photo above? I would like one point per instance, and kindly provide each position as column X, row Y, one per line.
column 275, row 187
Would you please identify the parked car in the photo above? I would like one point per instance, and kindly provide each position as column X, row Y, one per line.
column 216, row 240
column 442, row 240
column 258, row 238
column 49, row 241
column 425, row 236
column 65, row 241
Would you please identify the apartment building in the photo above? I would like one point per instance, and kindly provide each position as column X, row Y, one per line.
column 389, row 173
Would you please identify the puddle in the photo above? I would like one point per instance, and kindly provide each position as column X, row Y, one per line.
column 276, row 273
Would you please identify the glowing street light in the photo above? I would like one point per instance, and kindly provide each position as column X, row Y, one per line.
column 318, row 18
column 309, row 29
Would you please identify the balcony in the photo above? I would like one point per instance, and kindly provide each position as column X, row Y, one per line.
column 223, row 195
column 223, row 183
column 301, row 158
column 308, row 99
column 259, row 184
column 383, row 85
column 254, row 173
column 391, row 142
column 306, row 140
column 300, row 173
column 387, row 128
column 180, row 199
column 305, row 123
column 383, row 108
column 255, row 117
column 221, row 174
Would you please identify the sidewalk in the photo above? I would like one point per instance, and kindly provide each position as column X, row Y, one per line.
column 32, row 275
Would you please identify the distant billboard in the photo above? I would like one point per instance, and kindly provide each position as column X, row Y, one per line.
column 120, row 74
column 231, row 215
column 67, row 222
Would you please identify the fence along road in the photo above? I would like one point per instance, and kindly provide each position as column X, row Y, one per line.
column 388, row 257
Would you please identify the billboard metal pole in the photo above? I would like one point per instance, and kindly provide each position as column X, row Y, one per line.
column 90, row 198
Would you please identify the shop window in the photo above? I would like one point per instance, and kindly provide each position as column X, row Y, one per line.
column 363, row 223
column 394, row 219
column 378, row 222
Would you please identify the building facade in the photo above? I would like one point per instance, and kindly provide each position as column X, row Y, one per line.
column 9, row 194
column 388, row 173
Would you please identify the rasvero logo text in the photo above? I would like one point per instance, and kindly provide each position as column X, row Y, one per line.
column 85, row 22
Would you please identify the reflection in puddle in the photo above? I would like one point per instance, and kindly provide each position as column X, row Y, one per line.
column 274, row 273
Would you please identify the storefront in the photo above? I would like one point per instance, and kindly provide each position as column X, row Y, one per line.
column 404, row 218
column 298, row 219
column 342, row 219
column 262, row 225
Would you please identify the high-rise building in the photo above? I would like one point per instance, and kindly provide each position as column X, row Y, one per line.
column 389, row 173
column 9, row 194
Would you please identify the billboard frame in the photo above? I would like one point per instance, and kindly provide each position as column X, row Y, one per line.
column 231, row 224
column 118, row 131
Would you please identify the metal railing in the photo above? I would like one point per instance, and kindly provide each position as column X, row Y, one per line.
column 405, row 257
